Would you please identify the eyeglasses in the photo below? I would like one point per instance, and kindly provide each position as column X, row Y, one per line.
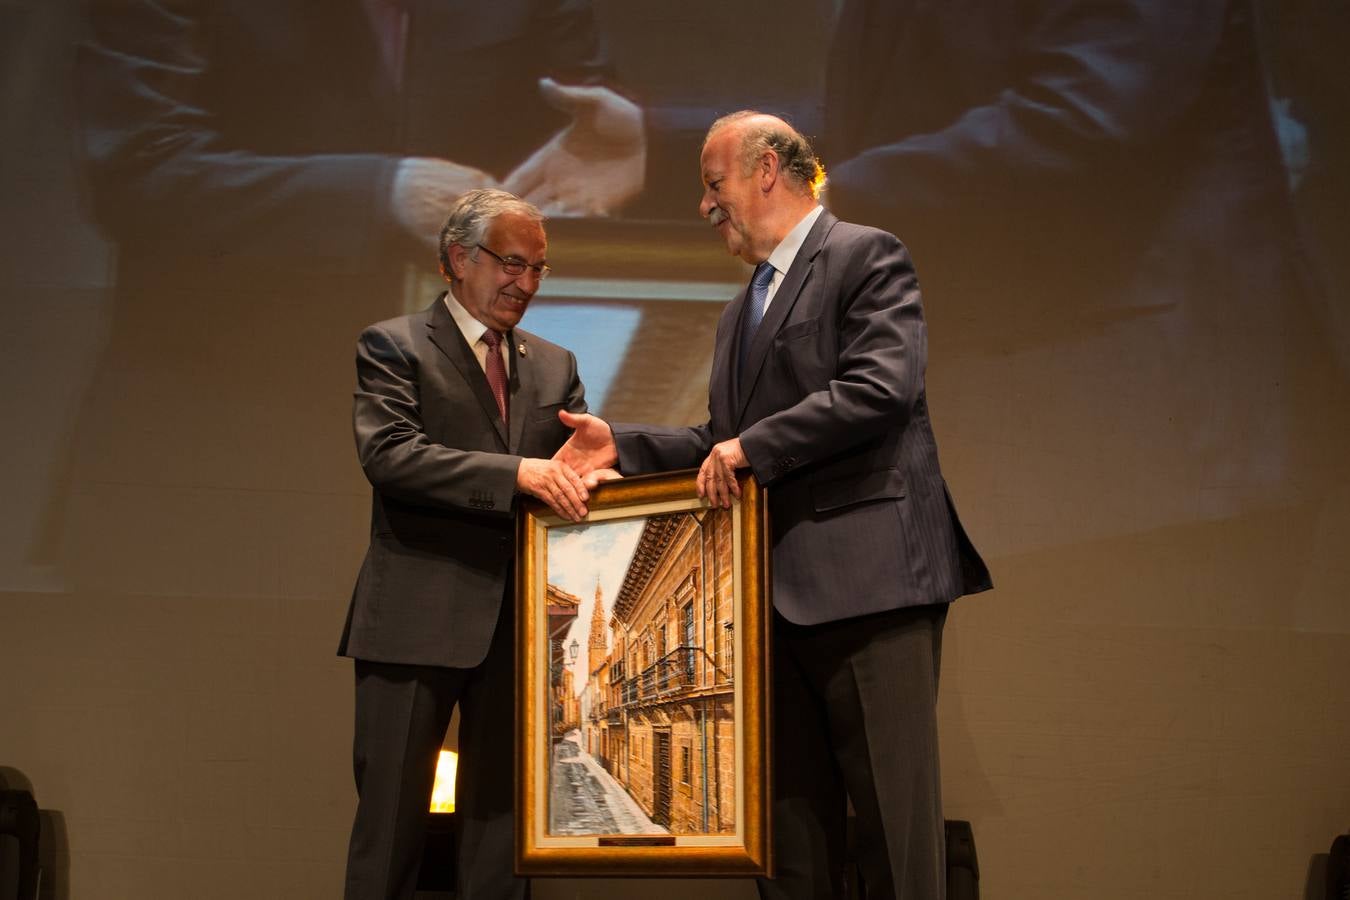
column 513, row 266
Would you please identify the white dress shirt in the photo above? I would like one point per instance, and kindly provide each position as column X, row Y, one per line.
column 782, row 256
column 473, row 331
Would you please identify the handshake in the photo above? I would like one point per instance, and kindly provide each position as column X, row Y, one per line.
column 590, row 168
column 565, row 481
column 589, row 457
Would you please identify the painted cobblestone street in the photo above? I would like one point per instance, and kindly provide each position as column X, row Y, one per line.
column 585, row 799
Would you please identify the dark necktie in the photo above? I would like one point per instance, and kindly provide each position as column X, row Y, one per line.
column 495, row 368
column 759, row 297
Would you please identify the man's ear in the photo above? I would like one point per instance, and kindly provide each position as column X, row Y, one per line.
column 459, row 259
column 767, row 166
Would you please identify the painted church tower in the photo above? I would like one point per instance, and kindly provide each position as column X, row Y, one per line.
column 598, row 647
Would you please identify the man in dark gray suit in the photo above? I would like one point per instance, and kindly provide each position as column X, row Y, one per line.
column 456, row 414
column 817, row 387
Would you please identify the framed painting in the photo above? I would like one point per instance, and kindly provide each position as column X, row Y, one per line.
column 642, row 696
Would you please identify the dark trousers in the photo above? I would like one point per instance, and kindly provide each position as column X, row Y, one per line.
column 402, row 713
column 855, row 718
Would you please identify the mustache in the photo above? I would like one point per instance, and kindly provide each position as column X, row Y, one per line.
column 716, row 216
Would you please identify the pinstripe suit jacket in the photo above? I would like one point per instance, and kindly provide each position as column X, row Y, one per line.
column 831, row 412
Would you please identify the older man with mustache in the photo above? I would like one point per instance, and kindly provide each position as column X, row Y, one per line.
column 817, row 387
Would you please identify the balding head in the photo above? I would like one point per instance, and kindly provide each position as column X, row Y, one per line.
column 760, row 133
column 760, row 178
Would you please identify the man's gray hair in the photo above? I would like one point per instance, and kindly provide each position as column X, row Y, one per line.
column 472, row 216
column 796, row 158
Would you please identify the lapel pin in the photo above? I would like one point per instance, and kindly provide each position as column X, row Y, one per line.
column 520, row 348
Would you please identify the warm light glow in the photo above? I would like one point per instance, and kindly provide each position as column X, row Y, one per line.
column 818, row 182
column 443, row 794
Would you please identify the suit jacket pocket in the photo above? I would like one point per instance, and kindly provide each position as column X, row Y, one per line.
column 837, row 493
column 797, row 330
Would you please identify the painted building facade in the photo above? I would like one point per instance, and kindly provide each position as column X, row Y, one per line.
column 659, row 714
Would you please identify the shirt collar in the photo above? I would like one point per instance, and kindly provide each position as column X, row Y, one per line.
column 782, row 256
column 471, row 328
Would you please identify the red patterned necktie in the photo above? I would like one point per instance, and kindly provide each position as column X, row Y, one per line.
column 495, row 368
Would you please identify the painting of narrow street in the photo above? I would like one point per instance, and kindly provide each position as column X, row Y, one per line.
column 641, row 683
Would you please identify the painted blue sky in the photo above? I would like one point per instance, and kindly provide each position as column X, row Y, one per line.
column 577, row 556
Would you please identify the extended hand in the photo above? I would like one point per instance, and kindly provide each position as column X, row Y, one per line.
column 717, row 475
column 591, row 445
column 592, row 166
column 424, row 190
column 556, row 484
column 599, row 476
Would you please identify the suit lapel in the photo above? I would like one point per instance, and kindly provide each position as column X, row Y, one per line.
column 796, row 279
column 447, row 338
column 523, row 382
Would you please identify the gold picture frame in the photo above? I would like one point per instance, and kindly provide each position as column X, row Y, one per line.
column 646, row 755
